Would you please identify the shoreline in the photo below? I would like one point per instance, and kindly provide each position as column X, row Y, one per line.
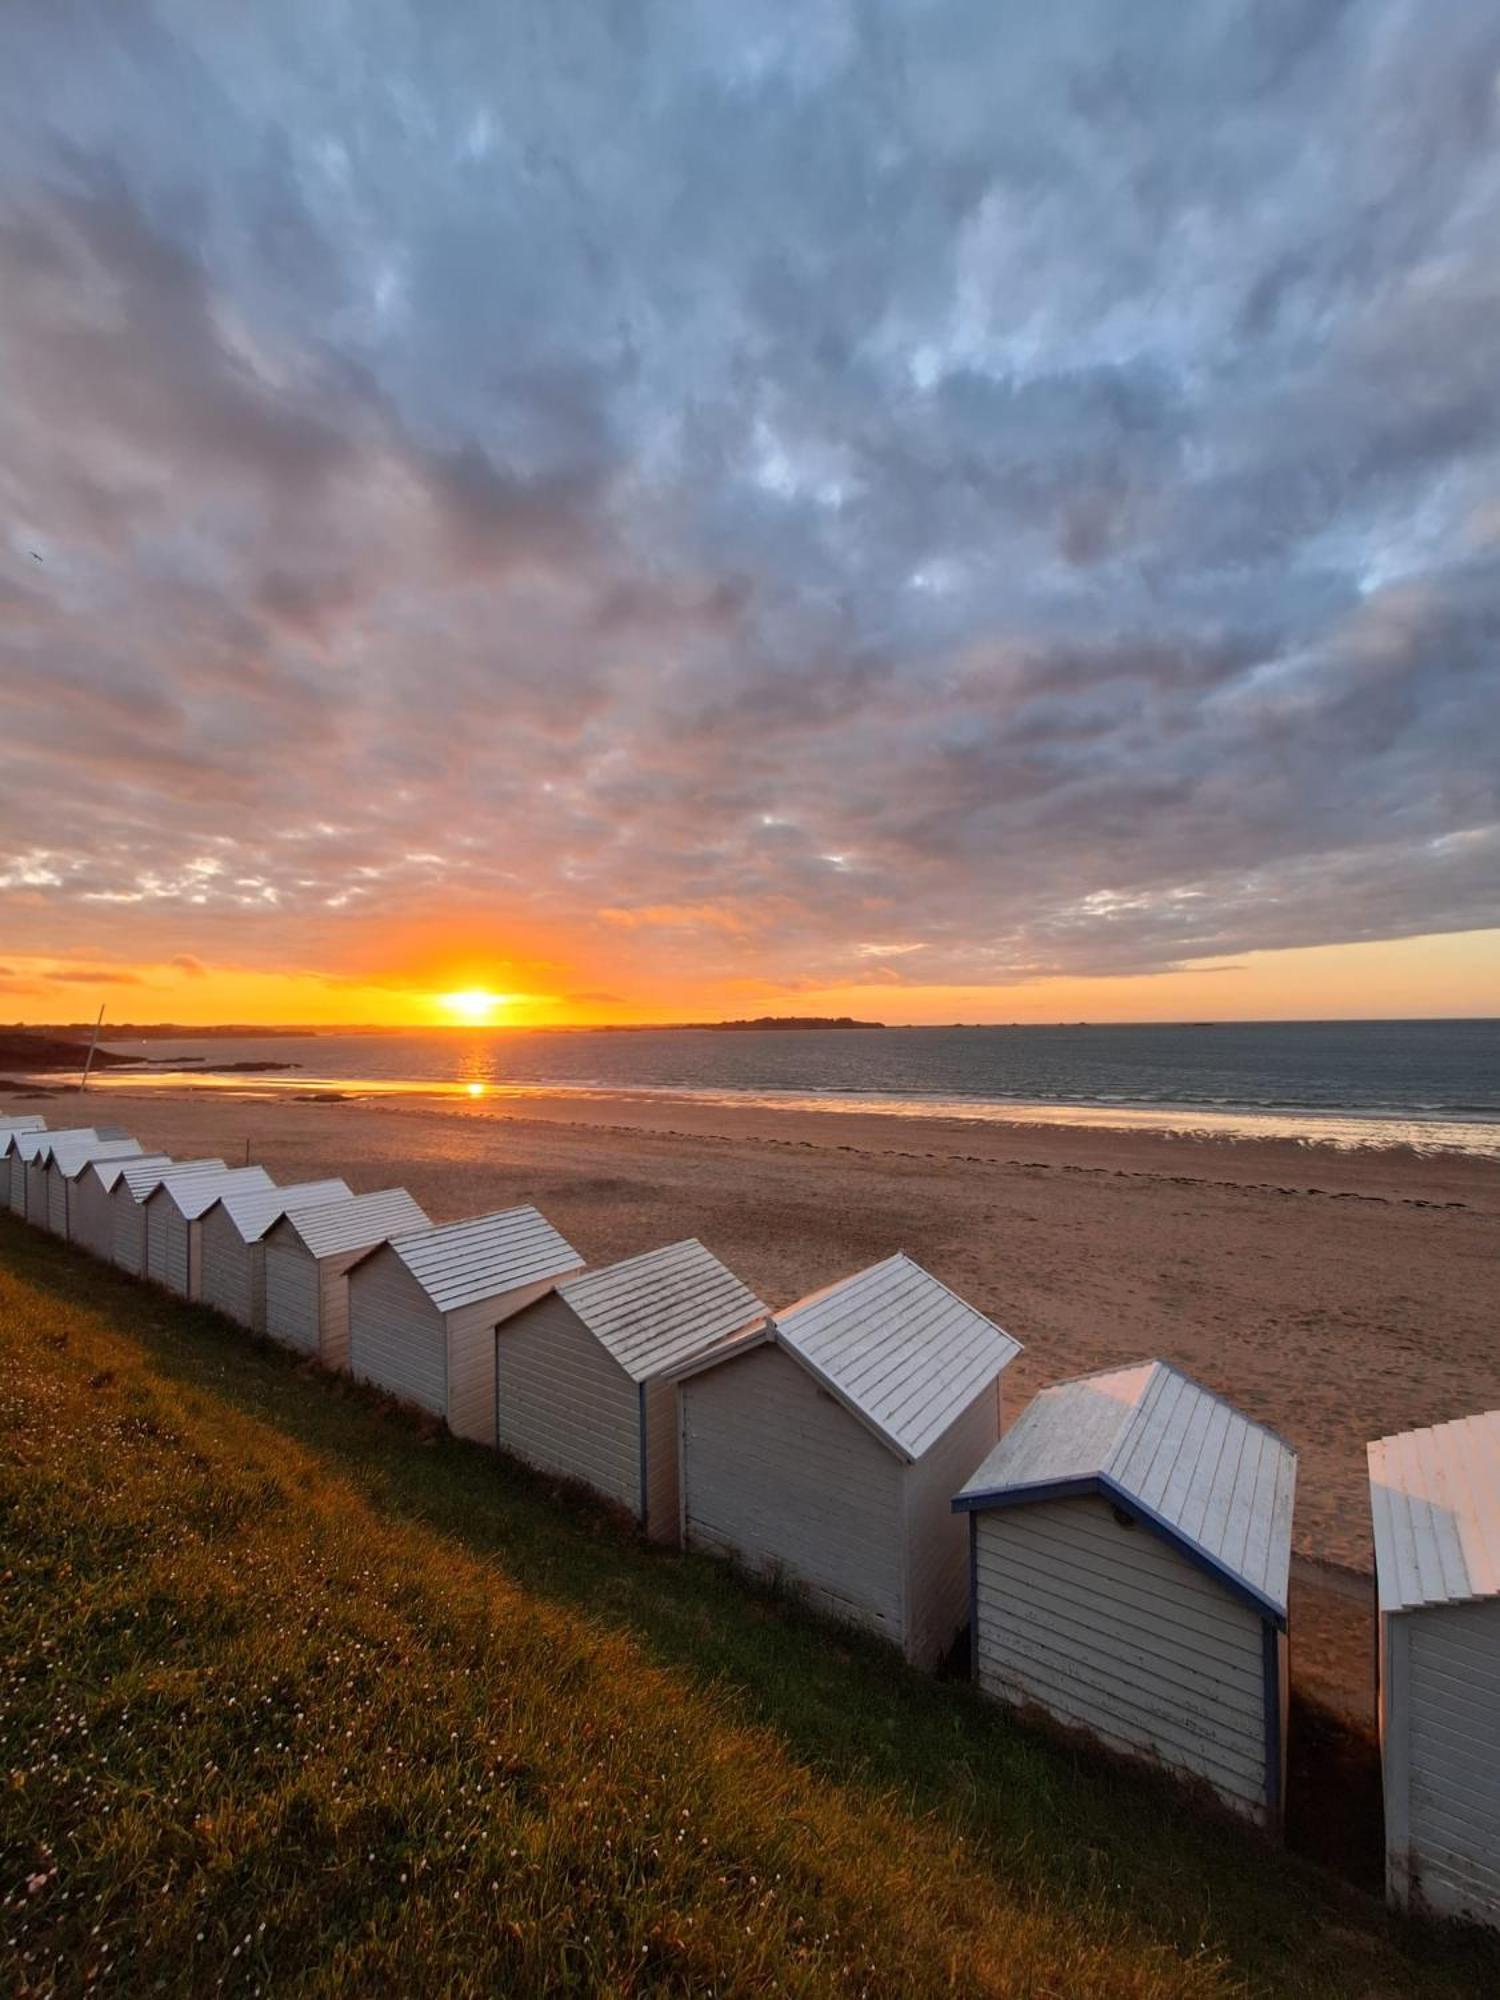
column 1312, row 1131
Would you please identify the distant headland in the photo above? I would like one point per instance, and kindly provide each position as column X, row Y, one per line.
column 786, row 1021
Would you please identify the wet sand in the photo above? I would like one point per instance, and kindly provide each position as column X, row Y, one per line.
column 1333, row 1295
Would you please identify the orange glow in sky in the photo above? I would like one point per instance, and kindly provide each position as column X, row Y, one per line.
column 1452, row 974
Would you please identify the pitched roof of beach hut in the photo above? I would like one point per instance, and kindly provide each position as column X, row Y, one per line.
column 462, row 1262
column 1216, row 1484
column 72, row 1155
column 331, row 1229
column 12, row 1124
column 897, row 1348
column 661, row 1309
column 144, row 1177
column 38, row 1145
column 108, row 1171
column 1435, row 1501
column 252, row 1210
column 193, row 1194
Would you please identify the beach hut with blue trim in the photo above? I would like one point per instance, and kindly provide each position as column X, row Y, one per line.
column 1435, row 1503
column 825, row 1446
column 1130, row 1547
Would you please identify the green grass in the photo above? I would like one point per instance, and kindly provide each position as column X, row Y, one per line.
column 298, row 1698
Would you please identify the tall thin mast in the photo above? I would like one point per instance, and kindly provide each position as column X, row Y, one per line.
column 83, row 1081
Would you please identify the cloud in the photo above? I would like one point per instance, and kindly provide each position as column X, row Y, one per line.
column 732, row 502
column 94, row 975
column 194, row 968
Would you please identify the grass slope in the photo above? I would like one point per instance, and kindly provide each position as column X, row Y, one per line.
column 297, row 1699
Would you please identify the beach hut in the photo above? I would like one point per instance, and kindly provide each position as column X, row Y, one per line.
column 174, row 1213
column 1130, row 1545
column 17, row 1121
column 232, row 1264
column 11, row 1133
column 308, row 1254
column 585, row 1379
column 423, row 1310
column 91, row 1208
column 28, row 1191
column 66, row 1162
column 826, row 1446
column 1435, row 1502
column 138, row 1181
column 21, row 1149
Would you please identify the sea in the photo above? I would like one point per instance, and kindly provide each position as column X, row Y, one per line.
column 1432, row 1085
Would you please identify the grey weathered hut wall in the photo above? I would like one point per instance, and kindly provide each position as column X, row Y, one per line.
column 397, row 1336
column 779, row 1475
column 565, row 1405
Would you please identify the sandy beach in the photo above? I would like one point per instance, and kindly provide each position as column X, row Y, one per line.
column 1335, row 1295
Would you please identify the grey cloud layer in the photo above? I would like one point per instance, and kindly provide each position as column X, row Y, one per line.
column 1023, row 483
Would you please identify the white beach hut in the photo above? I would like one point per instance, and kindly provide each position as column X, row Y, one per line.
column 174, row 1213
column 18, row 1121
column 308, row 1254
column 129, row 1220
column 21, row 1149
column 91, row 1215
column 585, row 1379
column 1435, row 1500
column 33, row 1151
column 423, row 1310
column 11, row 1134
column 827, row 1445
column 232, row 1262
column 66, row 1163
column 1130, row 1548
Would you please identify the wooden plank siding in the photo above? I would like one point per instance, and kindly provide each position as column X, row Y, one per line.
column 307, row 1297
column 333, row 1309
column 1442, row 1761
column 397, row 1338
column 227, row 1275
column 169, row 1258
column 293, row 1314
column 127, row 1242
column 471, row 1358
column 777, row 1473
column 57, row 1200
column 90, row 1219
column 936, row 1540
column 565, row 1405
column 1110, row 1629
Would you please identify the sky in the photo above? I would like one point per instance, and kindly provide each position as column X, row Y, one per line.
column 949, row 510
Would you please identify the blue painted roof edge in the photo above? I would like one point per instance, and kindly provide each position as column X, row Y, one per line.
column 1106, row 1489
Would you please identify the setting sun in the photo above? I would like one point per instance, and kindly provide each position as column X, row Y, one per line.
column 474, row 1005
